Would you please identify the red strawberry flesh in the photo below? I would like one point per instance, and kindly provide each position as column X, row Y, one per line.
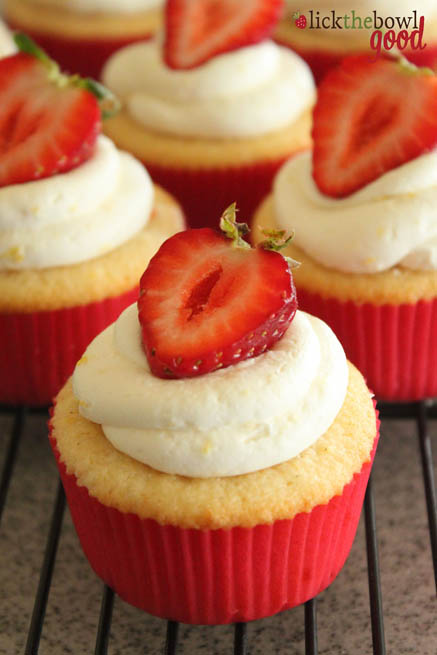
column 371, row 117
column 199, row 30
column 45, row 127
column 205, row 305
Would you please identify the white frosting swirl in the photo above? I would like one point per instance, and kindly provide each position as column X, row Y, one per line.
column 243, row 418
column 75, row 216
column 7, row 45
column 247, row 92
column 102, row 6
column 391, row 221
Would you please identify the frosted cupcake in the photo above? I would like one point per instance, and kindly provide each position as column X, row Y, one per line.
column 363, row 207
column 324, row 47
column 78, row 219
column 82, row 34
column 212, row 125
column 233, row 493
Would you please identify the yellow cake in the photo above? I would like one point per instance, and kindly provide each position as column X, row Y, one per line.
column 81, row 41
column 218, row 548
column 60, row 20
column 214, row 134
column 280, row 492
column 112, row 274
column 159, row 149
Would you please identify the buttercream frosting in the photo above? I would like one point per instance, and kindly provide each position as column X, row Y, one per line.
column 7, row 45
column 247, row 92
column 243, row 418
column 103, row 6
column 390, row 222
column 75, row 216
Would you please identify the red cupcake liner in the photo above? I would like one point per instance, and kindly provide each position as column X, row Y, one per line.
column 40, row 349
column 321, row 61
column 205, row 193
column 217, row 576
column 84, row 56
column 394, row 346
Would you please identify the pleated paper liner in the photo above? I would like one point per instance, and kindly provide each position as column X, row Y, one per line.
column 322, row 61
column 217, row 576
column 205, row 192
column 40, row 349
column 83, row 56
column 394, row 346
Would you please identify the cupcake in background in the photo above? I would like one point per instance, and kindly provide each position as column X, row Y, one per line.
column 214, row 444
column 7, row 45
column 81, row 34
column 364, row 207
column 78, row 220
column 324, row 47
column 213, row 108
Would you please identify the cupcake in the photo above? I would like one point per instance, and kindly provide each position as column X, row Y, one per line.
column 363, row 207
column 82, row 34
column 323, row 33
column 74, row 241
column 212, row 112
column 7, row 45
column 214, row 444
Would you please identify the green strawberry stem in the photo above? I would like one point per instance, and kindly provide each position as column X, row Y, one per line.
column 108, row 102
column 276, row 241
column 233, row 230
column 27, row 45
column 408, row 68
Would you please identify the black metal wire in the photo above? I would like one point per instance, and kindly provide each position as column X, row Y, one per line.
column 240, row 639
column 104, row 628
column 42, row 594
column 418, row 411
column 11, row 456
column 406, row 410
column 428, row 480
column 171, row 640
column 376, row 610
column 311, row 645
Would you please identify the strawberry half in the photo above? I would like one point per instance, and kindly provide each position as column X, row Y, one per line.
column 370, row 117
column 197, row 30
column 49, row 122
column 208, row 301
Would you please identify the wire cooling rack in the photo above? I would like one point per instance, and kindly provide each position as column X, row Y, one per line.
column 422, row 413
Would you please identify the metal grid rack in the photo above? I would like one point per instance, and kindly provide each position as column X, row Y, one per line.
column 421, row 413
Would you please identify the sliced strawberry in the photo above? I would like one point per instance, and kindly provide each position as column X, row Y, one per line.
column 206, row 304
column 370, row 117
column 197, row 30
column 49, row 123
